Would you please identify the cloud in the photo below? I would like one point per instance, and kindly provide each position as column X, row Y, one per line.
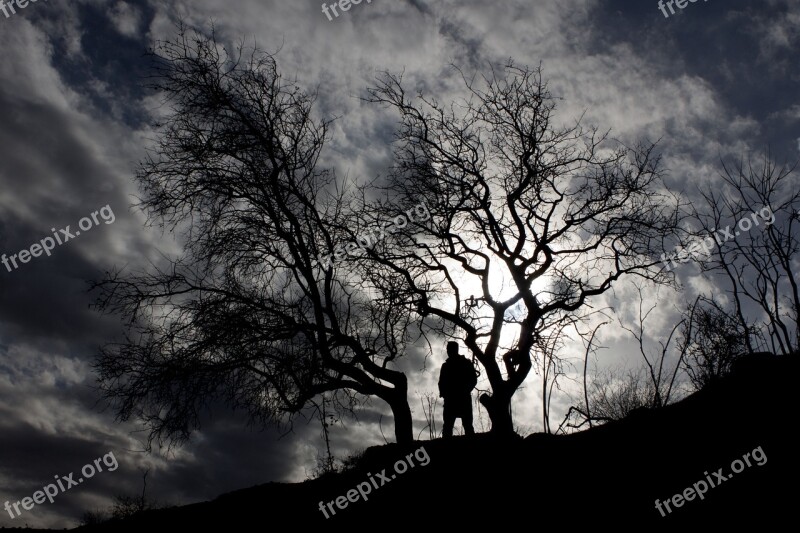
column 127, row 19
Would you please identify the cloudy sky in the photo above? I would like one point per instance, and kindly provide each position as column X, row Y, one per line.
column 716, row 79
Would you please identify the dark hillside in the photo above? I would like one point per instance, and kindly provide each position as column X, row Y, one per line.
column 608, row 475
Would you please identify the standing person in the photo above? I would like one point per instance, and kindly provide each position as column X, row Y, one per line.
column 456, row 381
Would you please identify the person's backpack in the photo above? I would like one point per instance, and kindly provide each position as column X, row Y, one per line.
column 470, row 374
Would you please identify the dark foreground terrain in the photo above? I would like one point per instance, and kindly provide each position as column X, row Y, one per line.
column 609, row 475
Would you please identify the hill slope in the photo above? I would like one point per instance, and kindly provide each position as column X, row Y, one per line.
column 607, row 475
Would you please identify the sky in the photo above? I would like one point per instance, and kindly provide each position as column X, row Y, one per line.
column 712, row 81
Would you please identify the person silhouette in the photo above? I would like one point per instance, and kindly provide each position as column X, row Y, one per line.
column 456, row 381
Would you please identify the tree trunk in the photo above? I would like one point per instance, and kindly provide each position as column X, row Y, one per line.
column 397, row 398
column 403, row 429
column 499, row 408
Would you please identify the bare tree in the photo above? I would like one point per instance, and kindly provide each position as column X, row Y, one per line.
column 326, row 464
column 244, row 315
column 751, row 223
column 712, row 339
column 125, row 506
column 429, row 402
column 590, row 349
column 534, row 218
column 661, row 380
column 552, row 366
column 613, row 396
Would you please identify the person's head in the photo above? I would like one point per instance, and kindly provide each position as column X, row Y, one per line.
column 452, row 348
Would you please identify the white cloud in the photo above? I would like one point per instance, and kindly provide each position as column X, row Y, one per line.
column 127, row 19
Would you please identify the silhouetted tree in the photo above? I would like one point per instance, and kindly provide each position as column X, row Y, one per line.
column 125, row 506
column 535, row 218
column 613, row 396
column 429, row 403
column 713, row 339
column 552, row 367
column 245, row 314
column 591, row 348
column 326, row 464
column 661, row 379
column 752, row 223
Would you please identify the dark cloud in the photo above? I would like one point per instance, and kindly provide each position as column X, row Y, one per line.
column 745, row 51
